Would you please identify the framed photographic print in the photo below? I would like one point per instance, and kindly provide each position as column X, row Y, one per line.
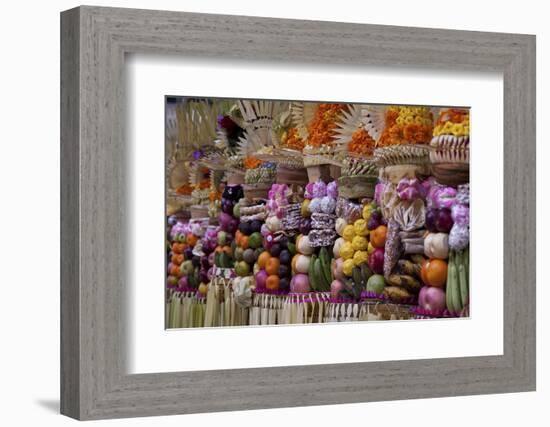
column 344, row 212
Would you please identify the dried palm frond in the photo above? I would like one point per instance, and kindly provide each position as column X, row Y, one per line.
column 302, row 113
column 197, row 122
column 373, row 120
column 258, row 121
column 350, row 120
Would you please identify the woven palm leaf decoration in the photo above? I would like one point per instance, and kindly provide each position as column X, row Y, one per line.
column 351, row 119
column 196, row 125
column 373, row 120
column 302, row 113
column 258, row 119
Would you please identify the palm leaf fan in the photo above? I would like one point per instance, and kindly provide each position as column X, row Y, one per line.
column 302, row 113
column 349, row 121
column 373, row 120
column 258, row 120
column 197, row 123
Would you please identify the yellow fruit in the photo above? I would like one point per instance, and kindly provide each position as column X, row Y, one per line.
column 348, row 267
column 360, row 227
column 360, row 257
column 359, row 243
column 349, row 233
column 346, row 251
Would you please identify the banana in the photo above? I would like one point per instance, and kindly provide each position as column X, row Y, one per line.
column 405, row 281
column 418, row 258
column 405, row 266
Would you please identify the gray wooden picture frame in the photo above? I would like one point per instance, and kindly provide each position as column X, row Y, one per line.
column 94, row 42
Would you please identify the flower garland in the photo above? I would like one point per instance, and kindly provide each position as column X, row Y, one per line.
column 407, row 125
column 321, row 128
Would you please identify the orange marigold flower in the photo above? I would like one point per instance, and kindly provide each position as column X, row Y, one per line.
column 361, row 143
column 321, row 128
column 294, row 141
column 251, row 162
column 184, row 190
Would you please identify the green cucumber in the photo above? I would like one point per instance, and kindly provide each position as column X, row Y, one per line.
column 450, row 289
column 457, row 300
column 462, row 278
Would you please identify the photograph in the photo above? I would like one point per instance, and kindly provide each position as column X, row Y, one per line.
column 283, row 212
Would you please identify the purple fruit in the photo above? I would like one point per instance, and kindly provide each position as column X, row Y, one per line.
column 431, row 217
column 203, row 275
column 211, row 258
column 183, row 282
column 188, row 253
column 444, row 221
column 373, row 222
column 227, row 206
column 284, row 271
column 284, row 283
column 232, row 227
column 224, row 220
column 204, row 263
column 275, row 250
column 261, row 277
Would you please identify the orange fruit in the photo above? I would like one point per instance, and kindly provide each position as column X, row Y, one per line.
column 378, row 236
column 192, row 239
column 244, row 242
column 227, row 250
column 219, row 249
column 177, row 259
column 175, row 270
column 238, row 236
column 177, row 248
column 423, row 272
column 272, row 282
column 436, row 273
column 263, row 258
column 272, row 265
